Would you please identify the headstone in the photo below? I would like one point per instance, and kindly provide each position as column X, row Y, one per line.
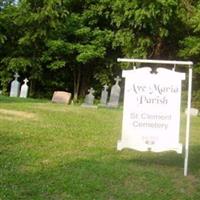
column 151, row 112
column 15, row 85
column 24, row 89
column 115, row 94
column 61, row 97
column 193, row 112
column 89, row 99
column 104, row 96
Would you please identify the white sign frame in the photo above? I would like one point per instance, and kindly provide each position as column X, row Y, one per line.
column 174, row 63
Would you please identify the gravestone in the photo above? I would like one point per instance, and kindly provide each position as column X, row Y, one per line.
column 104, row 96
column 193, row 112
column 61, row 97
column 115, row 94
column 15, row 85
column 24, row 89
column 89, row 99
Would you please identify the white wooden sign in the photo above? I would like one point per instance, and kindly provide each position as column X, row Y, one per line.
column 151, row 115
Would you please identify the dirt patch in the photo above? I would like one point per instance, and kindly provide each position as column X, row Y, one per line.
column 16, row 114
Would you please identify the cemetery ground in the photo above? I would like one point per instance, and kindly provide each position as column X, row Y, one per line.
column 58, row 152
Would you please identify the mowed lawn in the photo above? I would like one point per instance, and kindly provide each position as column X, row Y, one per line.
column 59, row 152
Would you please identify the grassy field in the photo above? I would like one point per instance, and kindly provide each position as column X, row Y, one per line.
column 58, row 152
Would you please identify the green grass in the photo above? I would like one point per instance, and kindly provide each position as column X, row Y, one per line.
column 59, row 152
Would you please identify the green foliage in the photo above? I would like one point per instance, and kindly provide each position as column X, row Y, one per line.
column 143, row 25
column 87, row 52
column 191, row 47
column 19, row 64
column 196, row 99
column 79, row 41
column 59, row 47
column 5, row 80
column 57, row 65
column 2, row 38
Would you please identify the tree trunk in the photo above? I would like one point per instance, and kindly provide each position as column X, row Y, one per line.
column 84, row 85
column 158, row 48
column 77, row 78
column 32, row 88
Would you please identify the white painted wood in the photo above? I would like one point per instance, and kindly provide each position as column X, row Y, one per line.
column 151, row 116
column 187, row 136
column 170, row 62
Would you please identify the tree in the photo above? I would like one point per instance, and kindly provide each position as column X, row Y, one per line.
column 74, row 44
column 143, row 27
column 189, row 46
column 36, row 21
column 78, row 45
column 8, row 41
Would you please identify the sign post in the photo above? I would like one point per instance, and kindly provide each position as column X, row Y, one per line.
column 151, row 115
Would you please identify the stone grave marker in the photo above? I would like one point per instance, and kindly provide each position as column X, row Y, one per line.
column 24, row 89
column 61, row 97
column 15, row 85
column 193, row 112
column 115, row 94
column 89, row 99
column 104, row 96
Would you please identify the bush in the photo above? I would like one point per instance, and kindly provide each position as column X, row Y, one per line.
column 195, row 99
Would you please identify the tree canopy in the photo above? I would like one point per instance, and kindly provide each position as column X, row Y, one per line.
column 73, row 44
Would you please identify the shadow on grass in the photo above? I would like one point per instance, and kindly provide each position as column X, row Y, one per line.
column 194, row 156
column 166, row 159
column 170, row 159
column 25, row 175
